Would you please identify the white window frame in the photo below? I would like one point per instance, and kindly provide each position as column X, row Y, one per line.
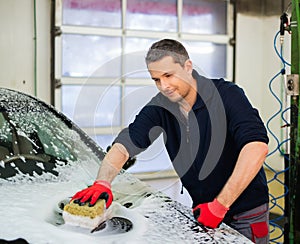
column 124, row 33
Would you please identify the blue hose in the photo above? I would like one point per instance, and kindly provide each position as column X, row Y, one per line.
column 276, row 230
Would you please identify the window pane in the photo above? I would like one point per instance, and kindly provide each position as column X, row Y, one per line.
column 104, row 13
column 208, row 58
column 92, row 105
column 104, row 140
column 154, row 15
column 204, row 17
column 135, row 98
column 154, row 159
column 134, row 59
column 91, row 55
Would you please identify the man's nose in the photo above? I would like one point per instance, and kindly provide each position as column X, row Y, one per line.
column 164, row 84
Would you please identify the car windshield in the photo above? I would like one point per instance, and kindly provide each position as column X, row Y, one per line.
column 35, row 142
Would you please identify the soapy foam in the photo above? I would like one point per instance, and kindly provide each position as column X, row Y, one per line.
column 31, row 211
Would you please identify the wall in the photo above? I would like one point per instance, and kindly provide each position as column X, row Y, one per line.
column 257, row 63
column 17, row 45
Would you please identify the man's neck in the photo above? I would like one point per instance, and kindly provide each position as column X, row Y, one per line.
column 189, row 101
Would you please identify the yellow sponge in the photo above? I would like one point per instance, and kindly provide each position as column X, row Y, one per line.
column 85, row 210
column 85, row 216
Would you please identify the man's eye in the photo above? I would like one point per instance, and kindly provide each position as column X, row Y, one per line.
column 168, row 75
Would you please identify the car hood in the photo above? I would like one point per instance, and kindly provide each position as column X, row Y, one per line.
column 32, row 212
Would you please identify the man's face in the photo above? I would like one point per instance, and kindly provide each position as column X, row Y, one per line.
column 172, row 80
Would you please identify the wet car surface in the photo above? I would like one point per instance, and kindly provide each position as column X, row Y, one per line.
column 45, row 159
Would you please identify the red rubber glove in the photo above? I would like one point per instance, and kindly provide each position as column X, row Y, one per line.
column 101, row 189
column 210, row 214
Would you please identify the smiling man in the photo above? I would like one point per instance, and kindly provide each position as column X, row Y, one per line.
column 214, row 137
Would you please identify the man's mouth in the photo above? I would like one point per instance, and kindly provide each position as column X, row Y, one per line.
column 169, row 93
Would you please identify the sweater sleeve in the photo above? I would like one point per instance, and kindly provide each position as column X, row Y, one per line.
column 144, row 130
column 244, row 122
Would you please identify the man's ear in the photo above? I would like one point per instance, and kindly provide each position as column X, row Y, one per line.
column 188, row 65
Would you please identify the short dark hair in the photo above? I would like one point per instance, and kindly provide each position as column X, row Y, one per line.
column 167, row 47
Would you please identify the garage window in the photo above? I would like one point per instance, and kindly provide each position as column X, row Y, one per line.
column 100, row 58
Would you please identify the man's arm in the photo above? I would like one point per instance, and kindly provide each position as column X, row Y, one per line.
column 250, row 160
column 110, row 167
column 113, row 162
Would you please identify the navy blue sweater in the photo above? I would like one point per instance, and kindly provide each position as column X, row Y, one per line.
column 203, row 147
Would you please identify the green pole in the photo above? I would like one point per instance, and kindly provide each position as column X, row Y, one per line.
column 294, row 172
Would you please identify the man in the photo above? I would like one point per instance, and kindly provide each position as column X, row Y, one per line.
column 214, row 137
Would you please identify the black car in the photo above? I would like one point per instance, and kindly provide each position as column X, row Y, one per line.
column 45, row 158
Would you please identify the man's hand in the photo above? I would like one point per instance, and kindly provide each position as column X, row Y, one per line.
column 210, row 214
column 99, row 190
